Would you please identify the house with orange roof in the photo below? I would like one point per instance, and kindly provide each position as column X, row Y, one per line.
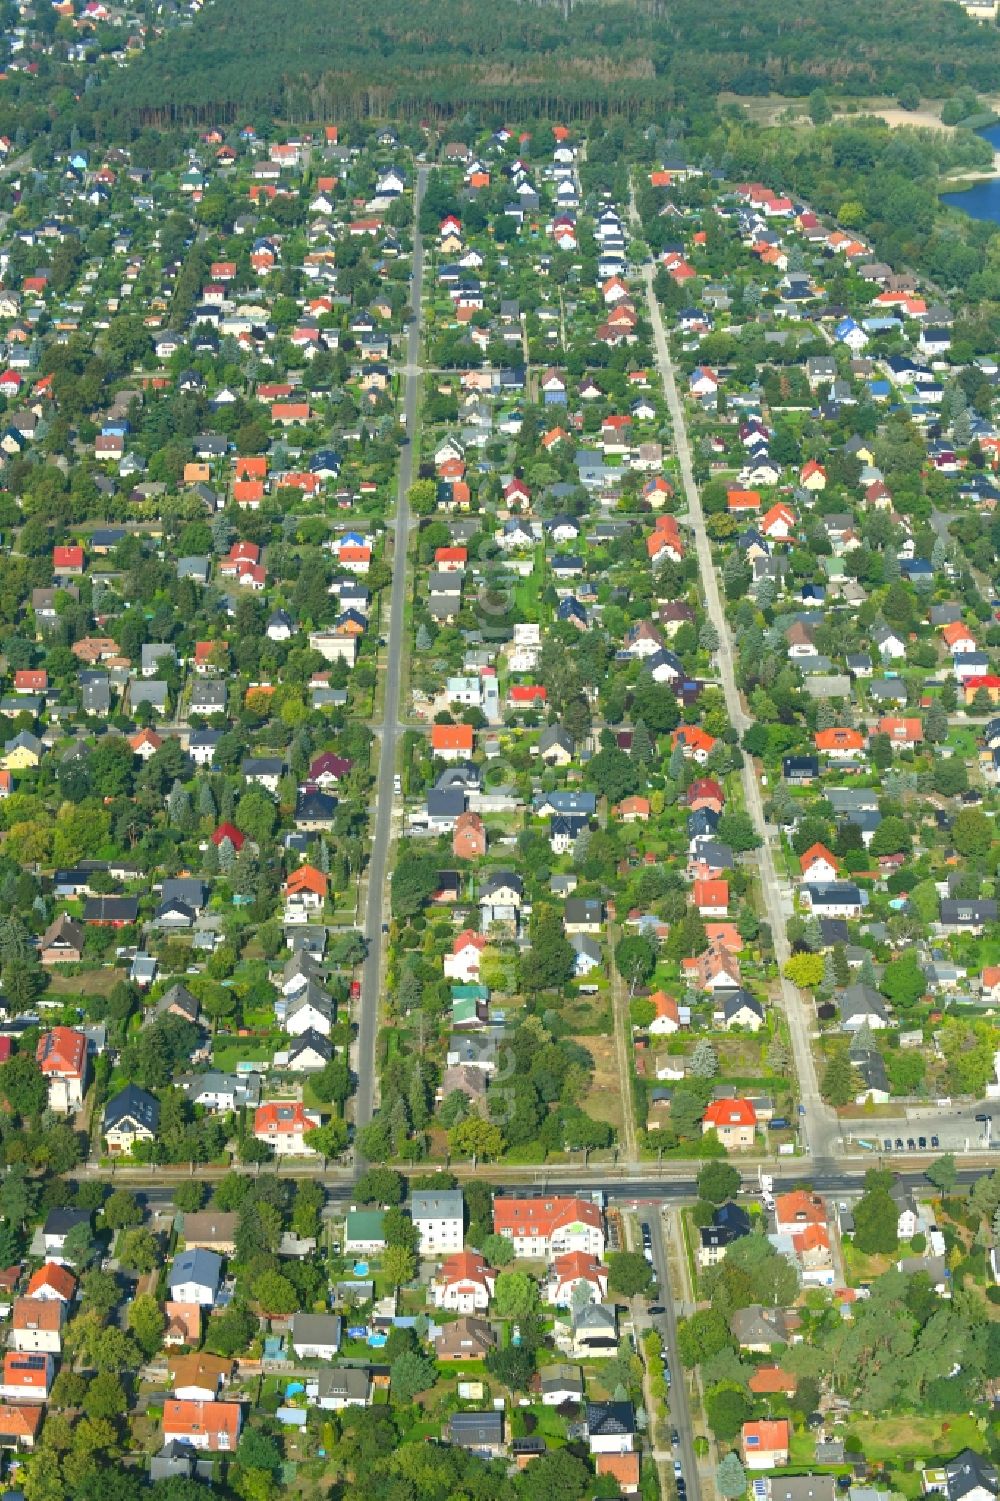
column 305, row 892
column 290, row 413
column 576, row 1269
column 697, row 744
column 183, row 1324
column 819, row 865
column 813, row 1255
column 53, row 1281
column 725, row 933
column 145, row 744
column 634, row 809
column 549, row 1226
column 778, row 523
column 772, row 1381
column 667, row 1017
column 990, row 983
column 20, row 1426
column 452, row 742
column 712, row 898
column 715, row 969
column 765, row 1444
column 209, row 655
column 27, row 1377
column 623, row 1469
column 283, row 1126
column 213, row 1426
column 812, row 476
column 742, row 502
column 463, row 963
column 464, row 1283
column 734, row 1123
column 958, row 638
column 248, row 494
column 665, row 543
column 903, row 733
column 61, row 1055
column 36, row 1325
column 796, row 1209
column 841, row 743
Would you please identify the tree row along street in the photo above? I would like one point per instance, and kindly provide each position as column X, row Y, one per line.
column 820, row 1128
column 378, row 870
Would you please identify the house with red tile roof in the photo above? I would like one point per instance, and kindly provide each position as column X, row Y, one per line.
column 67, row 561
column 819, row 865
column 464, row 1283
column 214, row 1426
column 903, row 732
column 733, row 1121
column 229, row 831
column 53, row 1281
column 712, row 898
column 283, row 1126
column 183, row 1324
column 452, row 742
column 765, row 1444
column 462, row 964
column 36, row 1325
column 576, row 1269
column 548, row 1227
column 61, row 1055
column 772, row 1381
column 697, row 744
column 622, row 1468
column 20, row 1426
column 667, row 1018
column 27, row 1377
column 304, row 891
column 634, row 809
column 840, row 743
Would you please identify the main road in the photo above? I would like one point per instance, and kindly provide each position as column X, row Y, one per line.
column 820, row 1127
column 376, row 905
column 666, row 1324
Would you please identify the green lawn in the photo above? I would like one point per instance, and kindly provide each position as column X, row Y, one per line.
column 802, row 1447
column 911, row 1436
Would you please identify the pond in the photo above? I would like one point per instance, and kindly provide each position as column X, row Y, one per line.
column 981, row 200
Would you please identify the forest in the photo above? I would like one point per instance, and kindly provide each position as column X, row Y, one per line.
column 415, row 59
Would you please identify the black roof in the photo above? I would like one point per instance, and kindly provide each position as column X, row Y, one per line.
column 133, row 1103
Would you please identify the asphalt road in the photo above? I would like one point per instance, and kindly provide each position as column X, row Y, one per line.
column 376, row 909
column 819, row 1122
column 632, row 1191
column 680, row 1409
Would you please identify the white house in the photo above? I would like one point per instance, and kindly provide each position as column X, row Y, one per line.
column 576, row 1269
column 439, row 1215
column 316, row 1336
column 464, row 1284
column 552, row 1226
column 194, row 1277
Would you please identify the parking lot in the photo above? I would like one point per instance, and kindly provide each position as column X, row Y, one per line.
column 926, row 1130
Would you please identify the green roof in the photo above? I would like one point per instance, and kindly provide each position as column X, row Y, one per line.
column 365, row 1224
column 470, row 993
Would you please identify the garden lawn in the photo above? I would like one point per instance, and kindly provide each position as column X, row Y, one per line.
column 911, row 1436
